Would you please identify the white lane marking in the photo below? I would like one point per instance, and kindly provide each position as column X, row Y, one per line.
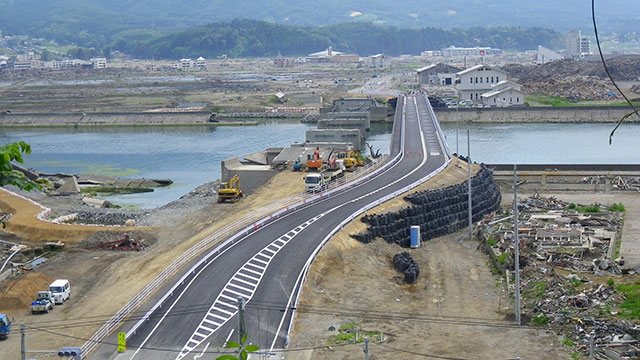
column 245, row 282
column 228, row 337
column 241, row 291
column 196, row 357
column 282, row 242
column 424, row 160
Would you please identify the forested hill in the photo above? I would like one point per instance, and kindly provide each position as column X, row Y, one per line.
column 249, row 38
column 95, row 22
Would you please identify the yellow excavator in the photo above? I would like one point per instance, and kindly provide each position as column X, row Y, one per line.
column 351, row 159
column 230, row 190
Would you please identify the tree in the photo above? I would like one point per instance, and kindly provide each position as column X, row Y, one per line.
column 8, row 176
column 243, row 350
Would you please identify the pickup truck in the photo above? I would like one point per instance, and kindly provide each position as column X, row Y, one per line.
column 43, row 303
column 5, row 326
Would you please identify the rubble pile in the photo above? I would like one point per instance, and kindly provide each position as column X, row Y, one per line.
column 621, row 69
column 574, row 88
column 437, row 212
column 567, row 264
column 404, row 263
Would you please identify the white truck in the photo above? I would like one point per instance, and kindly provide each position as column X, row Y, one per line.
column 43, row 302
column 315, row 181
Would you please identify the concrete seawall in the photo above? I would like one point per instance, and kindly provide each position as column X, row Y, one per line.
column 126, row 119
column 578, row 114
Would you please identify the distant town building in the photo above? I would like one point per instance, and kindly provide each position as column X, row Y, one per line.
column 431, row 53
column 30, row 56
column 99, row 63
column 453, row 51
column 545, row 55
column 437, row 74
column 24, row 65
column 378, row 61
column 484, row 84
column 201, row 63
column 331, row 56
column 284, row 62
column 578, row 46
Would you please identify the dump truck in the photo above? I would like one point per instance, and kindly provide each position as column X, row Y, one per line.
column 230, row 190
column 43, row 303
column 5, row 326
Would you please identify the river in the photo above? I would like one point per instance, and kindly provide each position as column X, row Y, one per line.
column 191, row 155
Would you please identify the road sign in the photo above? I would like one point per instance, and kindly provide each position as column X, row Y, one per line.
column 122, row 342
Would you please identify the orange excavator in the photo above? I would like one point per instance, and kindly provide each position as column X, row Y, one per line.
column 314, row 163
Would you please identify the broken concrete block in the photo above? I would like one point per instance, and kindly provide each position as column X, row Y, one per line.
column 96, row 203
column 70, row 186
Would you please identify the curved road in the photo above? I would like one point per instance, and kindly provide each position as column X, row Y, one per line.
column 266, row 266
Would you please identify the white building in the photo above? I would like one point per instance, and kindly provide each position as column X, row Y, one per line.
column 99, row 63
column 477, row 80
column 545, row 55
column 201, row 63
column 453, row 51
column 578, row 46
column 378, row 61
column 484, row 84
column 508, row 96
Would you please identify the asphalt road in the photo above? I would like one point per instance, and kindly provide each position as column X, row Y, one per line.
column 265, row 267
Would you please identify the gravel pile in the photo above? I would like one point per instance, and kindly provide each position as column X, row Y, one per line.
column 91, row 216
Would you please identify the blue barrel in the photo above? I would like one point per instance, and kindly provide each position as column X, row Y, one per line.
column 415, row 237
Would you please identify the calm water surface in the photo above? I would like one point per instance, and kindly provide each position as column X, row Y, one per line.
column 191, row 156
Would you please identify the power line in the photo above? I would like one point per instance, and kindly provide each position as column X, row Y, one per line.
column 606, row 69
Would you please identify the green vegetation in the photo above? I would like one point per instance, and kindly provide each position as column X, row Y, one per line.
column 502, row 258
column 568, row 342
column 243, row 349
column 540, row 320
column 610, row 282
column 575, row 282
column 575, row 355
column 536, row 291
column 616, row 208
column 631, row 304
column 572, row 206
column 588, row 209
column 8, row 176
column 347, row 335
column 491, row 241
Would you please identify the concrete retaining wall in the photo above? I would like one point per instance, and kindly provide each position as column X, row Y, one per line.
column 536, row 114
column 251, row 176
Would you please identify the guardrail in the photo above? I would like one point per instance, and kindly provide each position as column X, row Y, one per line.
column 232, row 232
column 303, row 275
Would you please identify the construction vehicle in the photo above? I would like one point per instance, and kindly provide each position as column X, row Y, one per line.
column 314, row 163
column 315, row 181
column 43, row 303
column 351, row 159
column 5, row 326
column 297, row 166
column 230, row 190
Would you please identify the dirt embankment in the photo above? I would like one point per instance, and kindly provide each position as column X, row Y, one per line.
column 25, row 223
column 351, row 281
column 103, row 281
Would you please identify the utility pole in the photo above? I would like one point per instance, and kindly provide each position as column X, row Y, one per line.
column 23, row 349
column 457, row 120
column 469, row 185
column 241, row 329
column 516, row 243
column 365, row 346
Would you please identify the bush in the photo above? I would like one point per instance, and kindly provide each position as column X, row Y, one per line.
column 589, row 209
column 572, row 206
column 540, row 320
column 491, row 241
column 616, row 208
column 610, row 282
column 568, row 342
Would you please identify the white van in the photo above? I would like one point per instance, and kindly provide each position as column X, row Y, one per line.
column 61, row 290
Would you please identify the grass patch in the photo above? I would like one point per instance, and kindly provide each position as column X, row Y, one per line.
column 575, row 356
column 589, row 209
column 347, row 335
column 540, row 320
column 568, row 342
column 572, row 206
column 610, row 282
column 537, row 290
column 491, row 241
column 616, row 208
column 502, row 258
column 631, row 304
